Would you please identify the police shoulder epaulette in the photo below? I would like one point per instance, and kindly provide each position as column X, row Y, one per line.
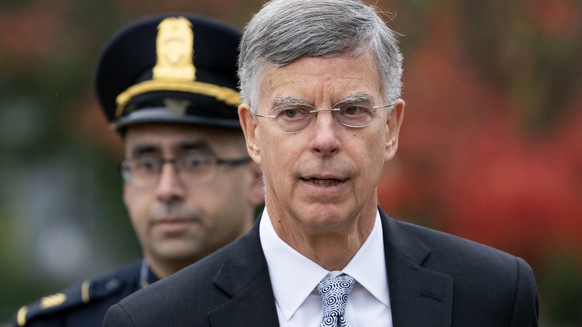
column 77, row 295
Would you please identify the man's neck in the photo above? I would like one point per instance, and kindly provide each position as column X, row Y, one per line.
column 332, row 250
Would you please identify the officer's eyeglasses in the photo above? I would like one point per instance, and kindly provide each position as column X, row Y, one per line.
column 291, row 118
column 145, row 171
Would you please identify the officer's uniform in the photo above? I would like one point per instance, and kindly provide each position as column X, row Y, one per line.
column 171, row 68
column 85, row 304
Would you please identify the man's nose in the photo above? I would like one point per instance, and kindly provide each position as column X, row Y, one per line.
column 325, row 139
column 169, row 187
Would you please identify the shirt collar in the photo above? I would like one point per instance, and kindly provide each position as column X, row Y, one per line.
column 368, row 266
column 146, row 275
column 294, row 277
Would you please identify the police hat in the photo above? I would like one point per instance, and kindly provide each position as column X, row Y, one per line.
column 171, row 68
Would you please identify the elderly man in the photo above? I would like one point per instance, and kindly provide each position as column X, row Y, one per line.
column 321, row 112
column 168, row 85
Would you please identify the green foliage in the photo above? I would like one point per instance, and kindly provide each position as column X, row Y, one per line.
column 561, row 287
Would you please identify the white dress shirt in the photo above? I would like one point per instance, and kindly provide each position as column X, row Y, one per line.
column 294, row 278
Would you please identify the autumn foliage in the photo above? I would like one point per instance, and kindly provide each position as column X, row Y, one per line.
column 475, row 159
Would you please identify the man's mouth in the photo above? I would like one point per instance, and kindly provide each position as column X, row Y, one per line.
column 324, row 181
column 174, row 221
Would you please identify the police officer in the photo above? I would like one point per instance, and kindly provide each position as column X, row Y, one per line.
column 167, row 84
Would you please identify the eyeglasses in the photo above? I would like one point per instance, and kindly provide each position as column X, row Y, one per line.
column 192, row 169
column 293, row 118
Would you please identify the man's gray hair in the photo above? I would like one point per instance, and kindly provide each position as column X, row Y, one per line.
column 286, row 30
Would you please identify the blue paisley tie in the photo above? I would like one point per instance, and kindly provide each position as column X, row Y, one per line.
column 334, row 293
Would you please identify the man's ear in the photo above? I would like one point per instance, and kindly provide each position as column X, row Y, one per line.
column 248, row 122
column 393, row 122
column 256, row 191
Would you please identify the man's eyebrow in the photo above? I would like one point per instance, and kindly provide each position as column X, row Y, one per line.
column 144, row 149
column 194, row 145
column 288, row 100
column 357, row 98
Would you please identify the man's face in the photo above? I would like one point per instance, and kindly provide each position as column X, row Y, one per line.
column 179, row 221
column 323, row 178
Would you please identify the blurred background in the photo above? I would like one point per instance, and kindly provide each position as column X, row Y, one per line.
column 490, row 149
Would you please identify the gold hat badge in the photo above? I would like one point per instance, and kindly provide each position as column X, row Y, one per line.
column 174, row 69
column 175, row 50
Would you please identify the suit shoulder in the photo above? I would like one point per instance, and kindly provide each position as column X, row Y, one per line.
column 197, row 278
column 112, row 284
column 490, row 282
column 438, row 239
column 453, row 250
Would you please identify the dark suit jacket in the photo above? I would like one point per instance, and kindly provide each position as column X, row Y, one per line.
column 435, row 279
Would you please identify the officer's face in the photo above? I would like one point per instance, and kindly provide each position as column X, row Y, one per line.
column 181, row 217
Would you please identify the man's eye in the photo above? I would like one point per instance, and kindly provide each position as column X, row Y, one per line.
column 147, row 164
column 194, row 162
column 293, row 113
column 355, row 111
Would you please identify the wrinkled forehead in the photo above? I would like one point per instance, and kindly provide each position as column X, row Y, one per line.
column 319, row 80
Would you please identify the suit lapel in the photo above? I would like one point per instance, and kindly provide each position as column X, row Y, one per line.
column 244, row 277
column 418, row 296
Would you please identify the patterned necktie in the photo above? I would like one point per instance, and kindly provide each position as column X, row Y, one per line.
column 334, row 293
